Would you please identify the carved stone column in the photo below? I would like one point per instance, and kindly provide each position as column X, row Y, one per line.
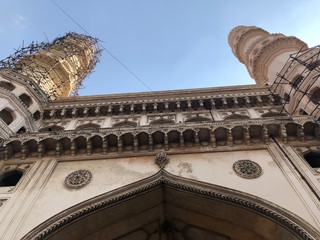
column 235, row 102
column 58, row 149
column 40, row 150
column 196, row 139
column 104, row 145
column 213, row 139
column 120, row 145
column 24, row 151
column 265, row 134
column 150, row 143
column 89, row 147
column 135, row 143
column 224, row 103
column 230, row 138
column 300, row 133
column 73, row 148
column 166, row 142
column 247, row 138
column 181, row 141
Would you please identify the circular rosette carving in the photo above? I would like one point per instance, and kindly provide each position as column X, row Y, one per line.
column 162, row 159
column 247, row 169
column 78, row 179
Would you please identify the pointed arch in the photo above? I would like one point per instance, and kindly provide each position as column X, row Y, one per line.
column 181, row 197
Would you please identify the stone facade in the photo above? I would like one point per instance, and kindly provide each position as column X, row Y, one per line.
column 214, row 163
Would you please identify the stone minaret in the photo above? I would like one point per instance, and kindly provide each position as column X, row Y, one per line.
column 264, row 54
column 39, row 73
column 61, row 66
column 284, row 63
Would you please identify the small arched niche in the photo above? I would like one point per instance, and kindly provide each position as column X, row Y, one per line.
column 25, row 99
column 296, row 81
column 7, row 85
column 10, row 178
column 7, row 116
column 315, row 95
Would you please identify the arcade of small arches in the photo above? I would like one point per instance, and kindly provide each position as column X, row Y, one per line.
column 133, row 140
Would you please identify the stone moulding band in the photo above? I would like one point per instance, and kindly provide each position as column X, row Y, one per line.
column 164, row 179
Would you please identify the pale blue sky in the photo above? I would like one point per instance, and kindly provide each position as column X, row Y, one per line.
column 169, row 44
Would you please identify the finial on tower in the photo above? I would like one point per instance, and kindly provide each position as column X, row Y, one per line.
column 263, row 54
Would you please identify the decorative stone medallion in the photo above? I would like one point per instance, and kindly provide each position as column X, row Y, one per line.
column 78, row 179
column 162, row 159
column 247, row 169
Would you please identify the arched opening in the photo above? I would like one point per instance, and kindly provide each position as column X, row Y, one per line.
column 7, row 85
column 10, row 178
column 292, row 130
column 221, row 136
column 315, row 95
column 6, row 116
column 296, row 81
column 156, row 207
column 81, row 144
column 96, row 143
column 313, row 65
column 188, row 136
column 286, row 97
column 143, row 140
column 26, row 99
column 313, row 158
column 238, row 134
column 21, row 130
column 173, row 137
column 255, row 132
column 204, row 136
column 273, row 130
column 158, row 139
column 309, row 130
column 112, row 142
column 36, row 115
column 127, row 140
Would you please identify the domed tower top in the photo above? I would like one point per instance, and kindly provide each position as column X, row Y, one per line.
column 59, row 67
column 264, row 54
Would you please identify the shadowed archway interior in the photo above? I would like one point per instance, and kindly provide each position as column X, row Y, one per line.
column 168, row 207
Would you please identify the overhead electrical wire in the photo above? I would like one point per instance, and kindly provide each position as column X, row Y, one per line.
column 103, row 47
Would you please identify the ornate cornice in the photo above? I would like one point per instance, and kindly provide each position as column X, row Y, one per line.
column 163, row 179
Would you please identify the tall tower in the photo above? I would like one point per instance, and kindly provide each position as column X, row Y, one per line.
column 39, row 73
column 263, row 54
column 285, row 64
column 60, row 67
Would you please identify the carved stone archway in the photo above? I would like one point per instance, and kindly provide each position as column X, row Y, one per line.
column 165, row 206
